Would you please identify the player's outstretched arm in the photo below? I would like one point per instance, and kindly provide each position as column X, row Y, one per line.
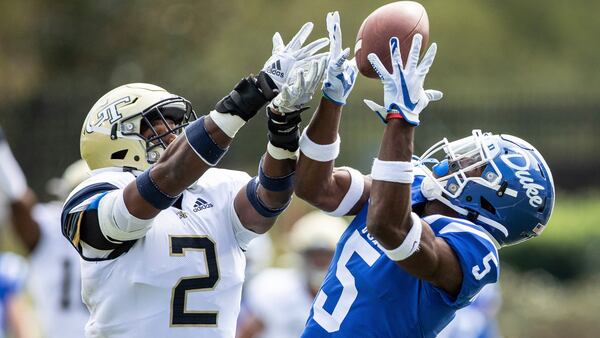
column 22, row 199
column 339, row 191
column 207, row 139
column 404, row 237
column 267, row 195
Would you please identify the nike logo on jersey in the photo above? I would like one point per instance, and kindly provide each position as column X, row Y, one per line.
column 201, row 205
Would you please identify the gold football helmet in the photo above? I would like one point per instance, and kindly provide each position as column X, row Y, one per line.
column 112, row 134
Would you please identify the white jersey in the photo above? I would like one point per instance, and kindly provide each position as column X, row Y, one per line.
column 280, row 298
column 183, row 278
column 54, row 280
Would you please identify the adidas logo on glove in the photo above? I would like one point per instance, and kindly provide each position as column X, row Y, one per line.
column 276, row 69
column 201, row 205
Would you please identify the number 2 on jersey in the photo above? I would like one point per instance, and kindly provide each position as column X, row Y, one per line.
column 179, row 315
column 332, row 321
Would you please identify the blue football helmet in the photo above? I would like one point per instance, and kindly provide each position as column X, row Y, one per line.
column 499, row 182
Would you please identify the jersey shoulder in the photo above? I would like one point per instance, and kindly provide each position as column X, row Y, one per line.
column 476, row 252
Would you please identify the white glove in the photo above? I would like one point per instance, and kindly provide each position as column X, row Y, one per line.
column 404, row 95
column 287, row 57
column 341, row 72
column 300, row 87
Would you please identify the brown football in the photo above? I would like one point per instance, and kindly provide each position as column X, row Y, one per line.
column 402, row 19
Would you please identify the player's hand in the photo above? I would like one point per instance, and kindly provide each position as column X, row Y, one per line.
column 341, row 72
column 287, row 57
column 301, row 86
column 404, row 96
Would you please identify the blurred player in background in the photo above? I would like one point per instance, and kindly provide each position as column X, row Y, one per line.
column 279, row 299
column 54, row 280
column 16, row 317
column 477, row 320
column 423, row 244
column 160, row 232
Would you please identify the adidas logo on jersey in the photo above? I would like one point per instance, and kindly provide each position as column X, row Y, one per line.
column 201, row 205
column 276, row 69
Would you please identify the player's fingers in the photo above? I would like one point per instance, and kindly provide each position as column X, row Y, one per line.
column 395, row 54
column 311, row 48
column 434, row 95
column 378, row 109
column 300, row 37
column 352, row 64
column 428, row 59
column 278, row 44
column 339, row 62
column 378, row 66
column 415, row 50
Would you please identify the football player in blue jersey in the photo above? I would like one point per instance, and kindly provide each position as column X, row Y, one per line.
column 427, row 231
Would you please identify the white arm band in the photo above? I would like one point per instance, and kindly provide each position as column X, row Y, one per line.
column 243, row 236
column 115, row 220
column 319, row 152
column 392, row 171
column 229, row 124
column 411, row 242
column 280, row 153
column 353, row 195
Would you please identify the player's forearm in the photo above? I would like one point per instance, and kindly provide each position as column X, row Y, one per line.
column 273, row 191
column 180, row 166
column 389, row 217
column 24, row 225
column 315, row 181
column 276, row 168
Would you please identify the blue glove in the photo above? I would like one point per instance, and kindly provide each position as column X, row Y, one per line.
column 403, row 92
column 340, row 75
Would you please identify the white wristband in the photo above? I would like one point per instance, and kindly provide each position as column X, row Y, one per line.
column 392, row 171
column 229, row 124
column 410, row 245
column 353, row 195
column 280, row 153
column 319, row 152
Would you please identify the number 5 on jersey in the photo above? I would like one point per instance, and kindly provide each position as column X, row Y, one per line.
column 332, row 322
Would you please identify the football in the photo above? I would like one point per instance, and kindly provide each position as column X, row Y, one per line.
column 402, row 19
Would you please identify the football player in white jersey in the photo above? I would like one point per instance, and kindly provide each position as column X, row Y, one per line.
column 161, row 233
column 279, row 299
column 54, row 281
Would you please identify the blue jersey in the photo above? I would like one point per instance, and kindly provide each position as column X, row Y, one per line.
column 365, row 294
column 13, row 273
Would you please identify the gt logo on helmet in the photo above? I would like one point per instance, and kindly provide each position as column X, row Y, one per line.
column 110, row 113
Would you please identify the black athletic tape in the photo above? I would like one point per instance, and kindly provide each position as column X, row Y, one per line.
column 151, row 193
column 247, row 97
column 284, row 131
column 204, row 146
column 281, row 183
column 263, row 210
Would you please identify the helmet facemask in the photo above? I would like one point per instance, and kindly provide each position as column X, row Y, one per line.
column 176, row 109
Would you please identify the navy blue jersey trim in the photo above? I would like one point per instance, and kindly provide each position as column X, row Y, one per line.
column 70, row 222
